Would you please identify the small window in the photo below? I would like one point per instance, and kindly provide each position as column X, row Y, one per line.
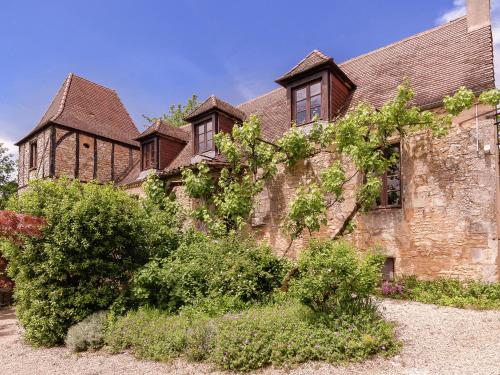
column 33, row 154
column 388, row 269
column 148, row 155
column 204, row 136
column 391, row 181
column 307, row 102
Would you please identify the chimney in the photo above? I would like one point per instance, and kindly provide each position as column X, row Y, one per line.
column 478, row 14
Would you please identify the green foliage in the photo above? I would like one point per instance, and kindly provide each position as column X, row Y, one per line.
column 88, row 334
column 8, row 186
column 333, row 278
column 177, row 112
column 93, row 241
column 163, row 224
column 449, row 292
column 203, row 268
column 361, row 138
column 151, row 334
column 282, row 334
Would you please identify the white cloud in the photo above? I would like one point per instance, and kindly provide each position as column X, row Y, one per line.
column 459, row 10
column 10, row 146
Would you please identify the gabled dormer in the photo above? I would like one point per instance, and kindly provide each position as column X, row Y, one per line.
column 161, row 142
column 210, row 117
column 316, row 86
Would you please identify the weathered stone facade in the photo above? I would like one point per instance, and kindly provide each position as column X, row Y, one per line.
column 447, row 225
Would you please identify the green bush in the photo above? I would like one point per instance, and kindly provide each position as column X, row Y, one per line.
column 446, row 292
column 151, row 334
column 88, row 334
column 93, row 242
column 280, row 334
column 234, row 267
column 332, row 277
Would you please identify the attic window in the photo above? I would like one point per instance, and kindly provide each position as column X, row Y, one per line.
column 307, row 102
column 204, row 136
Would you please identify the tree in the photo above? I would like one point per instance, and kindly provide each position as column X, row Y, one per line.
column 359, row 141
column 8, row 185
column 176, row 112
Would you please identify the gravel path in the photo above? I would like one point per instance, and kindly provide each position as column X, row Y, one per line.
column 437, row 340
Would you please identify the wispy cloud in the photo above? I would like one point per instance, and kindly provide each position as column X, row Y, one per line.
column 459, row 9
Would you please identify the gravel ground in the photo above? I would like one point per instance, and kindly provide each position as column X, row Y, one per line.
column 437, row 340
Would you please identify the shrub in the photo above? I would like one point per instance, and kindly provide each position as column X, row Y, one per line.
column 332, row 277
column 150, row 334
column 234, row 267
column 92, row 243
column 280, row 334
column 446, row 292
column 88, row 334
column 284, row 335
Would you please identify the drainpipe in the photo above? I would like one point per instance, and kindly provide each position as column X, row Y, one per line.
column 477, row 131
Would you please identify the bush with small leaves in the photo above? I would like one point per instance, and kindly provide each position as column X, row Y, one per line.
column 88, row 334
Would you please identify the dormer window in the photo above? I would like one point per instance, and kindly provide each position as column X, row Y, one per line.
column 307, row 102
column 204, row 136
column 148, row 155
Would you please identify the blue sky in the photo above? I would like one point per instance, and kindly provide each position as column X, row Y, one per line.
column 159, row 52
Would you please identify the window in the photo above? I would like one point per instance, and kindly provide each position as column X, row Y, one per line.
column 388, row 269
column 307, row 102
column 391, row 181
column 204, row 136
column 33, row 154
column 148, row 155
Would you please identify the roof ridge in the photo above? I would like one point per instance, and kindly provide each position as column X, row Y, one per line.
column 411, row 37
column 307, row 56
column 260, row 96
column 67, row 83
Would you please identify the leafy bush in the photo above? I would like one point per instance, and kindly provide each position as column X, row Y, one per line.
column 151, row 334
column 93, row 241
column 280, row 334
column 446, row 292
column 234, row 267
column 88, row 334
column 332, row 277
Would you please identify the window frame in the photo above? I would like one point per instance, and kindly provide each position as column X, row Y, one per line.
column 150, row 148
column 203, row 123
column 384, row 200
column 307, row 85
column 33, row 154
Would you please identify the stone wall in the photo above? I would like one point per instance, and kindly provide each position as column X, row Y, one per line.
column 447, row 225
column 42, row 167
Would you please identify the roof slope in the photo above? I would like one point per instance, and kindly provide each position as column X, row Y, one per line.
column 84, row 105
column 162, row 127
column 214, row 102
column 437, row 62
column 314, row 58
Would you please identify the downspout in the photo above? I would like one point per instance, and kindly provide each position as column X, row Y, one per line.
column 477, row 131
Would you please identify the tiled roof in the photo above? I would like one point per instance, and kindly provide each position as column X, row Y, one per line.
column 214, row 102
column 313, row 59
column 84, row 105
column 164, row 128
column 437, row 62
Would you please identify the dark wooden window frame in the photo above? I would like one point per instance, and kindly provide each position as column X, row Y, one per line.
column 203, row 123
column 308, row 100
column 384, row 195
column 149, row 154
column 33, row 154
column 324, row 77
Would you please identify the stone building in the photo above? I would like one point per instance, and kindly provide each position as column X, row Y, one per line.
column 438, row 214
column 86, row 133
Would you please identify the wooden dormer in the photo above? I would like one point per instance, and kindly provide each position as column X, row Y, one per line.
column 210, row 117
column 160, row 143
column 316, row 86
